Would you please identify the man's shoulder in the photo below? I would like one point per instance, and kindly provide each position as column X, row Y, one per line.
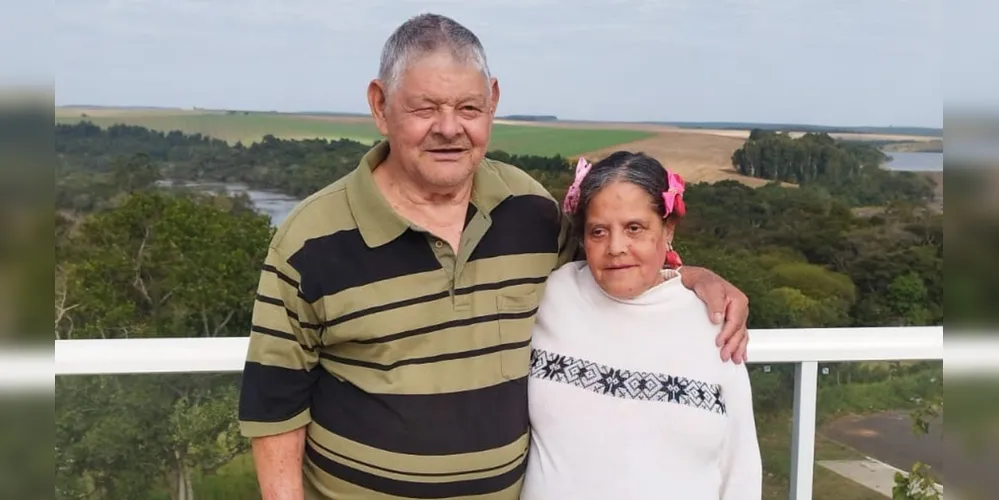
column 517, row 180
column 322, row 213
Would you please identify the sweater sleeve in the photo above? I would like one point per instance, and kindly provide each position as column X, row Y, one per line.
column 741, row 464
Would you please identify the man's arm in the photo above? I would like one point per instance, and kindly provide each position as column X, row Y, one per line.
column 279, row 465
column 276, row 392
column 725, row 303
column 568, row 244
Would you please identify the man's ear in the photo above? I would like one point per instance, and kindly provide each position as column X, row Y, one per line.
column 494, row 92
column 378, row 101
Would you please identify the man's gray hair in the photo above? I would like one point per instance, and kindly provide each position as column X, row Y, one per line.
column 424, row 34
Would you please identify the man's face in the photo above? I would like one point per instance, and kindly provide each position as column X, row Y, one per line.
column 437, row 119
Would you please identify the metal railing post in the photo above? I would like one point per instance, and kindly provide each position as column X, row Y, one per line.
column 806, row 375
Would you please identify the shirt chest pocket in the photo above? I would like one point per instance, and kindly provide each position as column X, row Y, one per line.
column 515, row 316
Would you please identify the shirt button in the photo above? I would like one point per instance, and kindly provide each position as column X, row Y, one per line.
column 438, row 244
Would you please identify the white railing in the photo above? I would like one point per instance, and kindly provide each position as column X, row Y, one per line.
column 806, row 348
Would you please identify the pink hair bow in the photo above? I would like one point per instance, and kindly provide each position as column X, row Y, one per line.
column 673, row 196
column 572, row 196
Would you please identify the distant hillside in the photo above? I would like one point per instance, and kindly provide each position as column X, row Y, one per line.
column 123, row 108
column 798, row 127
column 530, row 118
column 331, row 114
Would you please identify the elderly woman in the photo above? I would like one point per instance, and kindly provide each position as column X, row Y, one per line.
column 621, row 404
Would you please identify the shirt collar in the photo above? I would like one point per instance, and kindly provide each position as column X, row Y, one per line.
column 379, row 224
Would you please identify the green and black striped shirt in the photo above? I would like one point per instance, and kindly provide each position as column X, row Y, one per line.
column 408, row 363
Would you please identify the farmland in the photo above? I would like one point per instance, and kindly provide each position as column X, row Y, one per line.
column 699, row 154
column 252, row 126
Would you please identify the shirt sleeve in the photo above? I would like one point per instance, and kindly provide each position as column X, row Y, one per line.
column 741, row 464
column 568, row 244
column 283, row 354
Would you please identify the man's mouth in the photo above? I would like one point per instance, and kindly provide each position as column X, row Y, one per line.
column 447, row 150
column 446, row 155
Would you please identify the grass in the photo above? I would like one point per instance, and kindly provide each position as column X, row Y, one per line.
column 897, row 393
column 549, row 141
column 774, row 433
column 236, row 480
column 251, row 127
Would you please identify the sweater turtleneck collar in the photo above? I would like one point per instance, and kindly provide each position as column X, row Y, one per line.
column 654, row 295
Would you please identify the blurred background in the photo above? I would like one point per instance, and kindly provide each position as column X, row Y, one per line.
column 154, row 145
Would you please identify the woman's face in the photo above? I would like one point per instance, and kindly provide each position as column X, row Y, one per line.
column 625, row 240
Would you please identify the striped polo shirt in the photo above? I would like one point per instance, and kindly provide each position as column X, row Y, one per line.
column 408, row 363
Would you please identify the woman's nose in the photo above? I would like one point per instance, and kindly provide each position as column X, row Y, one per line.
column 617, row 244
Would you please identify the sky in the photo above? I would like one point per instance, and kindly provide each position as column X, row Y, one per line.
column 843, row 62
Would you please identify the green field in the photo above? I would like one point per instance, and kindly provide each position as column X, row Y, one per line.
column 251, row 127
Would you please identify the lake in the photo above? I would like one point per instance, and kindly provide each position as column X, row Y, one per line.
column 916, row 162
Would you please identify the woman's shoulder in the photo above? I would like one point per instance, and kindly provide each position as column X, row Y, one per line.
column 562, row 289
column 567, row 275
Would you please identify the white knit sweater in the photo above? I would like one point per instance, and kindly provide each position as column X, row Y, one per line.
column 630, row 399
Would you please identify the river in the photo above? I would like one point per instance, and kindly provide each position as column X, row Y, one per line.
column 275, row 204
column 278, row 205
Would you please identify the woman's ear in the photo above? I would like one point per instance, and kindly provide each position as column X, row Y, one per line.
column 668, row 229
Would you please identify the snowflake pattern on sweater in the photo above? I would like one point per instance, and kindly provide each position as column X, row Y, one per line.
column 626, row 384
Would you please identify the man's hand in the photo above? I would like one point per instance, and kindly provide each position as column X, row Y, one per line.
column 725, row 303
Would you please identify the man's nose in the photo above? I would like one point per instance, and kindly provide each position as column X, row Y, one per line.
column 447, row 124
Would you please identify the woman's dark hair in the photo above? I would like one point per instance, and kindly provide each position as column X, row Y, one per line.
column 637, row 168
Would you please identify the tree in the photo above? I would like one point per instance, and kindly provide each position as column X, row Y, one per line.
column 793, row 309
column 851, row 170
column 156, row 266
column 907, row 297
column 919, row 483
column 816, row 282
column 135, row 173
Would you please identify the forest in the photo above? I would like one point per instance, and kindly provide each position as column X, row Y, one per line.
column 852, row 171
column 135, row 260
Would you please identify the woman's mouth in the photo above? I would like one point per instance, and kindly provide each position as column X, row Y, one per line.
column 619, row 267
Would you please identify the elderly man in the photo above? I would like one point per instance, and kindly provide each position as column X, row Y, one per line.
column 391, row 334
